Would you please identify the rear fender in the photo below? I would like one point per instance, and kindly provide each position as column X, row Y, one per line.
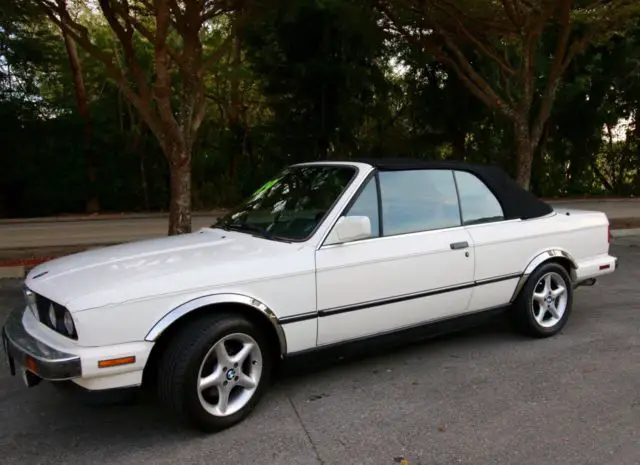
column 551, row 254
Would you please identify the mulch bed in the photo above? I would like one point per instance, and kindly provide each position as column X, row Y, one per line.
column 625, row 223
column 33, row 257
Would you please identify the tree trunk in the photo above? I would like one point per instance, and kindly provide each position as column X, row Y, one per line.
column 524, row 155
column 140, row 149
column 180, row 202
column 92, row 201
column 637, row 137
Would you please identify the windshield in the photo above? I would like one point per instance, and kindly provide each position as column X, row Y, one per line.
column 290, row 206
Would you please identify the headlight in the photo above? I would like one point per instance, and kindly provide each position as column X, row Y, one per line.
column 53, row 318
column 30, row 298
column 68, row 324
column 51, row 314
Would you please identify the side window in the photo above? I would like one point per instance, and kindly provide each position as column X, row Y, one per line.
column 418, row 200
column 367, row 205
column 477, row 202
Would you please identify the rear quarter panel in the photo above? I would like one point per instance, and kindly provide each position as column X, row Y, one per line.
column 508, row 247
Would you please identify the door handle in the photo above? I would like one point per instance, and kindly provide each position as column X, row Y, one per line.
column 459, row 245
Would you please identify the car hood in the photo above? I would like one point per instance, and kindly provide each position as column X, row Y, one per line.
column 166, row 265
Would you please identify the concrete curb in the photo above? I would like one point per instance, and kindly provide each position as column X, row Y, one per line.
column 625, row 232
column 18, row 268
column 559, row 200
column 12, row 272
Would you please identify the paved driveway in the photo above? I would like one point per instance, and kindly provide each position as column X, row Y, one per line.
column 482, row 397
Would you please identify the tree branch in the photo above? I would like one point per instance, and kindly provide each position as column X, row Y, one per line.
column 532, row 30
column 557, row 68
column 601, row 176
column 125, row 36
column 577, row 46
column 194, row 102
column 143, row 30
column 162, row 88
column 517, row 8
column 482, row 23
column 506, row 81
column 177, row 12
column 510, row 10
column 504, row 67
column 526, row 76
column 469, row 83
column 492, row 99
column 80, row 35
column 212, row 13
column 459, row 64
column 217, row 54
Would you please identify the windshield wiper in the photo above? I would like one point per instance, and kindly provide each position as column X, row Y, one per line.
column 246, row 227
column 227, row 224
column 221, row 223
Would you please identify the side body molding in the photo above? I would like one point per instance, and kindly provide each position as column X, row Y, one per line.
column 539, row 260
column 200, row 302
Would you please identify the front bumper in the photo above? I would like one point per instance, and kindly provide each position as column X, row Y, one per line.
column 28, row 353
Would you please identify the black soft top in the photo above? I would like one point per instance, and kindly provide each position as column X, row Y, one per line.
column 517, row 203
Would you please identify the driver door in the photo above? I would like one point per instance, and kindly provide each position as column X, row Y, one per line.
column 416, row 267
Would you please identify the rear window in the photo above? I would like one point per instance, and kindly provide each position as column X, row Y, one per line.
column 477, row 202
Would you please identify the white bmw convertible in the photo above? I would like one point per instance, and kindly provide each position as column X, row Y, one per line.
column 326, row 253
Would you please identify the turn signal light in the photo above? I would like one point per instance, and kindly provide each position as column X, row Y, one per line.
column 114, row 362
column 32, row 364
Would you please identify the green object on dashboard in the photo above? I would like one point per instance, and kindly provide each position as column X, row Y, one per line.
column 265, row 186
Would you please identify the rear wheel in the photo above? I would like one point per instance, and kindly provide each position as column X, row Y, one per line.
column 215, row 370
column 545, row 302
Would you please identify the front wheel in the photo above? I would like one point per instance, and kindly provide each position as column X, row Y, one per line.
column 215, row 371
column 545, row 302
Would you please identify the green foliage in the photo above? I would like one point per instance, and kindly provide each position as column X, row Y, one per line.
column 317, row 79
column 320, row 74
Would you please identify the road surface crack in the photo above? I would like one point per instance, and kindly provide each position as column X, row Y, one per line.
column 306, row 431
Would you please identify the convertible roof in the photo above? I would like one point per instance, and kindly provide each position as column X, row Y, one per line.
column 517, row 203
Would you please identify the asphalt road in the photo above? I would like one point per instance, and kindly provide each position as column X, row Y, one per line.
column 67, row 232
column 486, row 396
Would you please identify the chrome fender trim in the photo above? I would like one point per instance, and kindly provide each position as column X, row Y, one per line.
column 200, row 302
column 539, row 260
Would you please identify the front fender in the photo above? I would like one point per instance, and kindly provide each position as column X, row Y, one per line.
column 217, row 299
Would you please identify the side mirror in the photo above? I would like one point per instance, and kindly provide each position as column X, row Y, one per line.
column 350, row 228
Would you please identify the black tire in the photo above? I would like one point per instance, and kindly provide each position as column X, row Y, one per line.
column 179, row 367
column 524, row 310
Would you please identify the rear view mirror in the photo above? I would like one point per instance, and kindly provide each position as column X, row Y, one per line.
column 350, row 228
